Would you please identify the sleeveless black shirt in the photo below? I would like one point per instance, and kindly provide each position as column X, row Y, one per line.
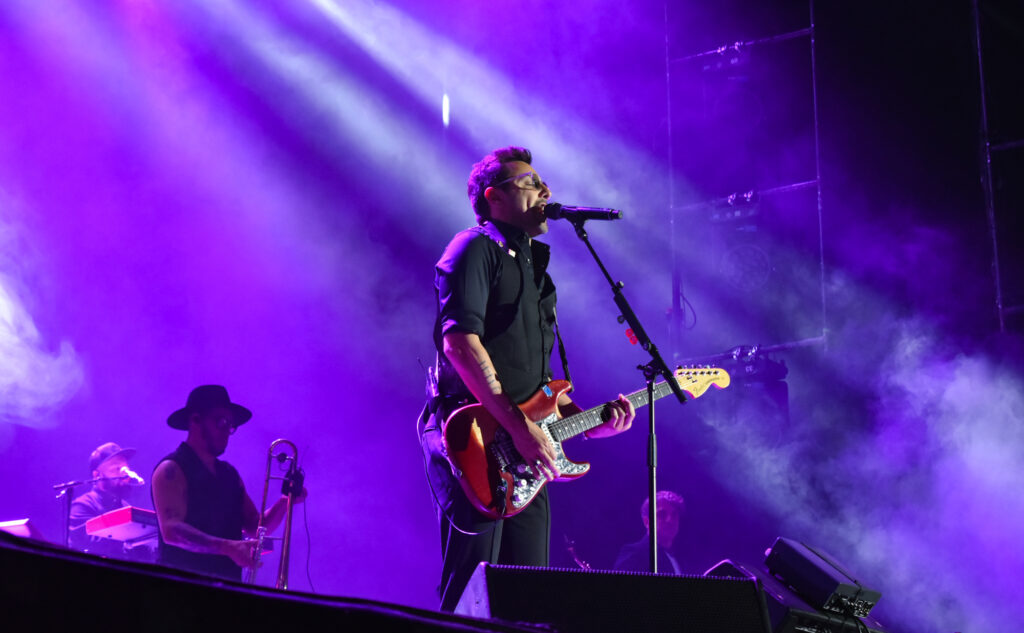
column 214, row 507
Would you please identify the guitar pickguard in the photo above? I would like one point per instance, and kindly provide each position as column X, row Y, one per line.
column 517, row 474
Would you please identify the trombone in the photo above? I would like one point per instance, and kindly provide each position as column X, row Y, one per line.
column 291, row 486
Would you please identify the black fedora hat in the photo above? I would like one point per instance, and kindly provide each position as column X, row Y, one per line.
column 204, row 398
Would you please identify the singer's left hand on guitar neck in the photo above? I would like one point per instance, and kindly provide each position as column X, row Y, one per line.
column 618, row 415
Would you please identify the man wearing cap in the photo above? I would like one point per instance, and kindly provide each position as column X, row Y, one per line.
column 113, row 480
column 201, row 504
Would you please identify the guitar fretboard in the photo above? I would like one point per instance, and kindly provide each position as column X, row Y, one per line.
column 591, row 418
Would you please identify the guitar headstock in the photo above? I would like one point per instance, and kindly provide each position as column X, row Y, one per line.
column 696, row 380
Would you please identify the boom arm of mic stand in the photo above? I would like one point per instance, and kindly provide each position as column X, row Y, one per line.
column 657, row 362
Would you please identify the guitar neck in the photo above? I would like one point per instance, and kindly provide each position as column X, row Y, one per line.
column 583, row 421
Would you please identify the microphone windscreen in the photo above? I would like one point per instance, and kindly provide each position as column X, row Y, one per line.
column 553, row 210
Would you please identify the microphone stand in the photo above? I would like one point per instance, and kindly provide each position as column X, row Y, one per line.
column 64, row 491
column 650, row 370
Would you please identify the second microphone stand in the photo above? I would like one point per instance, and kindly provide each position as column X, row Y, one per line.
column 65, row 492
column 651, row 370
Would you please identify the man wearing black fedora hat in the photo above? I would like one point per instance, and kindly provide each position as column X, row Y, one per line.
column 202, row 507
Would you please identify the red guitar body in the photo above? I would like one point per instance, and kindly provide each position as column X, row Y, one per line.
column 492, row 473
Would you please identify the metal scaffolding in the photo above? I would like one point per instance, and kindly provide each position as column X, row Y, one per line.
column 722, row 56
column 993, row 152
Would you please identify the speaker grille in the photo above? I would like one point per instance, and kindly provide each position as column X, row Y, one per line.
column 577, row 600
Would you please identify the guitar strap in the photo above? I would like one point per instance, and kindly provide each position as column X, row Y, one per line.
column 490, row 231
column 561, row 347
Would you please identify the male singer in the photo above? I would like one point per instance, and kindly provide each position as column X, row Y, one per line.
column 494, row 334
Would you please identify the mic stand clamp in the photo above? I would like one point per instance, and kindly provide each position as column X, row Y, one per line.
column 651, row 371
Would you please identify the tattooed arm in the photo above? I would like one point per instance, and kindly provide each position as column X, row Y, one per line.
column 473, row 364
column 170, row 496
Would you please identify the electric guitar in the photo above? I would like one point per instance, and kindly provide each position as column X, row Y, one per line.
column 494, row 476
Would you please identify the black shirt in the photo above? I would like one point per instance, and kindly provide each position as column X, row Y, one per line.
column 637, row 557
column 93, row 504
column 492, row 281
column 214, row 507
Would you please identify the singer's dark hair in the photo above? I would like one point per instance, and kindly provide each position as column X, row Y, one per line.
column 489, row 170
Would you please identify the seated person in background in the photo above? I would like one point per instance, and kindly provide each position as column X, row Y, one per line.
column 636, row 556
column 109, row 466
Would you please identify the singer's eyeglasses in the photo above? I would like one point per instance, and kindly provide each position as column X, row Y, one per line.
column 534, row 184
column 224, row 423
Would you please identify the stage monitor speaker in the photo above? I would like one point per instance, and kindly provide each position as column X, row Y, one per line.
column 788, row 612
column 578, row 601
column 819, row 578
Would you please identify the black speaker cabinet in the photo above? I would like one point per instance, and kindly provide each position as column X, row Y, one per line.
column 48, row 588
column 578, row 601
column 787, row 611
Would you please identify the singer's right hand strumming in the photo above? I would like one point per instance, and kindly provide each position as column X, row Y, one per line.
column 474, row 366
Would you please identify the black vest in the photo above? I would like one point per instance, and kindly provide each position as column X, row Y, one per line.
column 214, row 507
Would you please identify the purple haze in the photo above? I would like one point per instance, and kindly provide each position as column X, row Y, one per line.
column 255, row 195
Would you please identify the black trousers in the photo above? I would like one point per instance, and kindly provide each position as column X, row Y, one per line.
column 468, row 537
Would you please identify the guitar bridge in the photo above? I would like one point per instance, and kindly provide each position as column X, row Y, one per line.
column 500, row 449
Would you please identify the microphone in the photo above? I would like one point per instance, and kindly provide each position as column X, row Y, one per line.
column 556, row 211
column 128, row 473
